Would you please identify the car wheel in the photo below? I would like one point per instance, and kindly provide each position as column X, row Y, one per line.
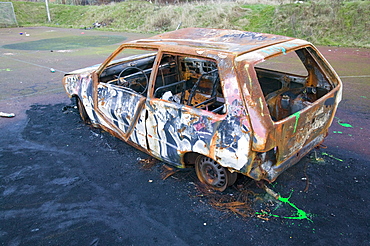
column 82, row 111
column 213, row 174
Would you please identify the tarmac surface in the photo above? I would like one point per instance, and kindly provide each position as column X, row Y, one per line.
column 64, row 183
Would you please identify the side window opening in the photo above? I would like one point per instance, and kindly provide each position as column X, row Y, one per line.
column 190, row 81
column 130, row 70
column 290, row 82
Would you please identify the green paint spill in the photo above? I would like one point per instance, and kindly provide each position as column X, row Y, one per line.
column 298, row 215
column 6, row 69
column 296, row 115
column 337, row 132
column 343, row 124
column 363, row 96
column 331, row 156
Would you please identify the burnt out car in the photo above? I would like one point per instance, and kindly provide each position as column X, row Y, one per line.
column 223, row 101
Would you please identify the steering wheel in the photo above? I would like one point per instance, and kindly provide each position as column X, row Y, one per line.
column 134, row 83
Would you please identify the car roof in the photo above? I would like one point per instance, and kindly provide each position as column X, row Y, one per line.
column 231, row 41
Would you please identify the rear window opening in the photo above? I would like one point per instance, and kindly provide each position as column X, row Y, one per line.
column 291, row 81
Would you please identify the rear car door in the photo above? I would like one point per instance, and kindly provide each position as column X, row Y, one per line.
column 185, row 103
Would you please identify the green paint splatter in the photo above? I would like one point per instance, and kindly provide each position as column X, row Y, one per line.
column 331, row 156
column 363, row 96
column 274, row 184
column 298, row 215
column 296, row 115
column 337, row 132
column 343, row 124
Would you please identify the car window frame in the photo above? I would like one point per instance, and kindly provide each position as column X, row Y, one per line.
column 153, row 76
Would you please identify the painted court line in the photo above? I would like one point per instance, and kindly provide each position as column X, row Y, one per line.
column 31, row 63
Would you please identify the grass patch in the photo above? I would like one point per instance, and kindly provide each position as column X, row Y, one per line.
column 321, row 22
column 258, row 18
column 347, row 24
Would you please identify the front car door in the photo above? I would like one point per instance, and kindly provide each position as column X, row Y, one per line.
column 120, row 93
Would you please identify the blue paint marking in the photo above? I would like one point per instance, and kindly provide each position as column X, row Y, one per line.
column 283, row 50
column 272, row 50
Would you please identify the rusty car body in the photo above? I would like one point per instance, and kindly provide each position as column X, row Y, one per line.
column 224, row 101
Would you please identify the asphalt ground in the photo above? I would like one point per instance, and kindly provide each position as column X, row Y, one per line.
column 64, row 183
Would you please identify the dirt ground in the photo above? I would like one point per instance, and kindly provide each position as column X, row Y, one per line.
column 65, row 183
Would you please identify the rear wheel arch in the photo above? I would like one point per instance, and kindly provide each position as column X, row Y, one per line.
column 209, row 171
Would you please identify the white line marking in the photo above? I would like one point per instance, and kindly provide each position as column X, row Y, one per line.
column 31, row 63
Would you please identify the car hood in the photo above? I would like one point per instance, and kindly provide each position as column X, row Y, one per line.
column 85, row 70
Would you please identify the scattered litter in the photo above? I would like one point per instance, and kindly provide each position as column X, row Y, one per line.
column 97, row 24
column 317, row 159
column 240, row 205
column 168, row 171
column 64, row 51
column 95, row 242
column 65, row 181
column 65, row 108
column 147, row 163
column 7, row 115
column 52, row 70
column 150, row 181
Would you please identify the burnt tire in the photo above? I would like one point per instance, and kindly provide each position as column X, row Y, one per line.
column 82, row 111
column 213, row 174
